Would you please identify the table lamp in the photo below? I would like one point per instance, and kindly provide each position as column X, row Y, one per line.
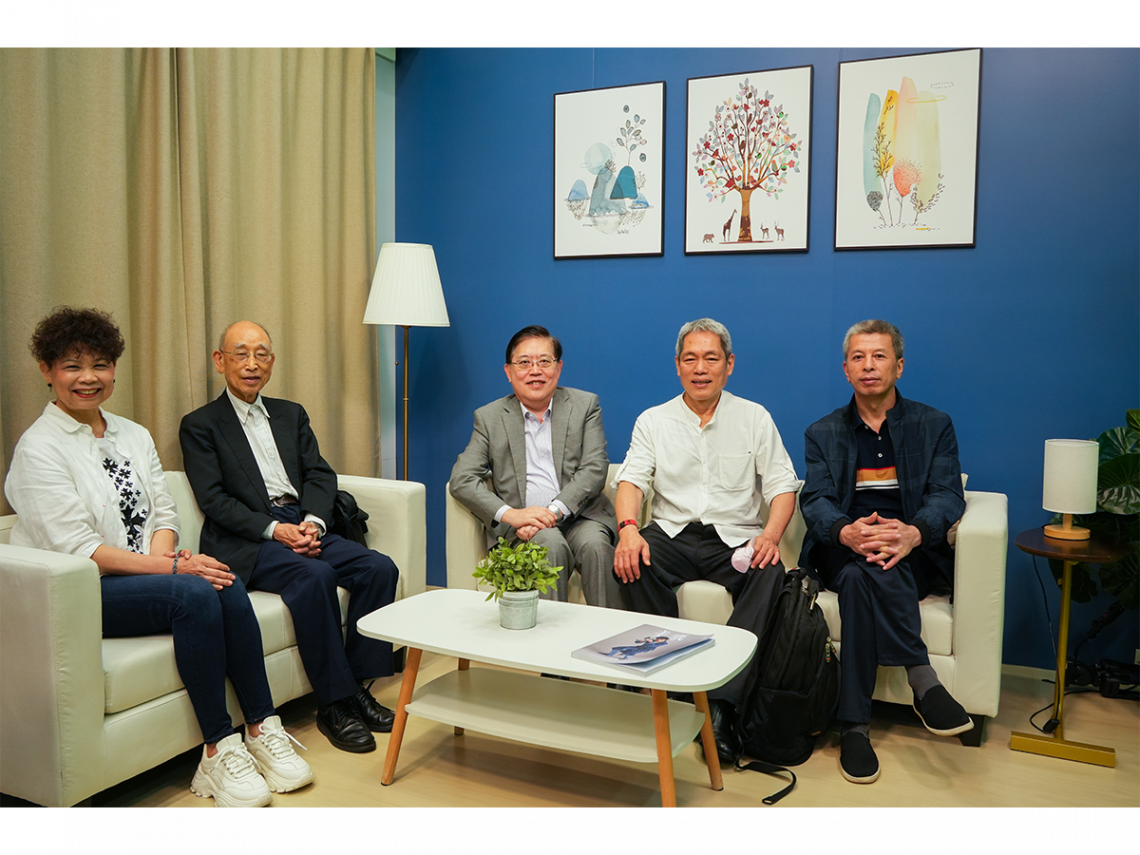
column 406, row 292
column 1070, row 484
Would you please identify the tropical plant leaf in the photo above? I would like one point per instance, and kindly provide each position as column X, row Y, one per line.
column 1132, row 419
column 1116, row 442
column 1122, row 579
column 1118, row 485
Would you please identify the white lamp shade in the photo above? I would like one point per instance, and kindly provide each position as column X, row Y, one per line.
column 1070, row 476
column 406, row 290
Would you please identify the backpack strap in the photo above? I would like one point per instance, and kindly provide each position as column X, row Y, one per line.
column 769, row 769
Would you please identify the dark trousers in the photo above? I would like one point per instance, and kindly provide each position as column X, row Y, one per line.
column 215, row 634
column 334, row 663
column 697, row 552
column 880, row 620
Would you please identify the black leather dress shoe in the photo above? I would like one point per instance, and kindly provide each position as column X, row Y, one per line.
column 376, row 717
column 722, row 714
column 340, row 722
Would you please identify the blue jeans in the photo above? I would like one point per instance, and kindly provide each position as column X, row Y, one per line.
column 215, row 634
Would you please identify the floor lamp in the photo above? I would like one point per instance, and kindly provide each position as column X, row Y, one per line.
column 406, row 292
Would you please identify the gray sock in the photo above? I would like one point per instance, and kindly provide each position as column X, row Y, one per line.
column 855, row 727
column 922, row 679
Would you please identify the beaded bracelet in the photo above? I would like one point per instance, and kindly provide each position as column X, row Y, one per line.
column 177, row 555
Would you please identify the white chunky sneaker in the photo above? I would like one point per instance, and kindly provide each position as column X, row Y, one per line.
column 275, row 757
column 230, row 776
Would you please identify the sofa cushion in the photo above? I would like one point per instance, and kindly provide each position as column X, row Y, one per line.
column 140, row 669
column 937, row 622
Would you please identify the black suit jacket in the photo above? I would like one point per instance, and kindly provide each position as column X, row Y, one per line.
column 228, row 485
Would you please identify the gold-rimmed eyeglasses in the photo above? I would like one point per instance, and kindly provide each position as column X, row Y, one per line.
column 261, row 357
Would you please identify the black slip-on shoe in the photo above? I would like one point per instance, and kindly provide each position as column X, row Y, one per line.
column 941, row 714
column 857, row 760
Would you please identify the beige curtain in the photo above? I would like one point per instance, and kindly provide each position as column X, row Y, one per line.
column 182, row 190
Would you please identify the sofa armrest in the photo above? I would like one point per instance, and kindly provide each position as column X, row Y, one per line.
column 466, row 543
column 979, row 601
column 397, row 525
column 51, row 676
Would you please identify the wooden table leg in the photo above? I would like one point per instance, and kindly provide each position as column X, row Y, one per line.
column 464, row 664
column 708, row 742
column 407, row 686
column 664, row 748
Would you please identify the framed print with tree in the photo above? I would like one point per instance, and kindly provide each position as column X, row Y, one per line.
column 609, row 153
column 907, row 151
column 748, row 165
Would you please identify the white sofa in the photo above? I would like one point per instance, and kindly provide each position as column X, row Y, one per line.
column 80, row 713
column 964, row 637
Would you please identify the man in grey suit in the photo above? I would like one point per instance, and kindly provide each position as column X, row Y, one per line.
column 543, row 450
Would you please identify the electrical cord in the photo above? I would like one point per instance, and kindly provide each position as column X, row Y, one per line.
column 1045, row 600
column 1053, row 722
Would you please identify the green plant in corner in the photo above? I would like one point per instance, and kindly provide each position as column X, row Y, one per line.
column 1117, row 517
column 516, row 568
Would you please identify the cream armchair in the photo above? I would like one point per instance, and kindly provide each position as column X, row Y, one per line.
column 963, row 632
column 79, row 712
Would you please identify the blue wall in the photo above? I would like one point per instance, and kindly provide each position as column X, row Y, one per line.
column 1032, row 334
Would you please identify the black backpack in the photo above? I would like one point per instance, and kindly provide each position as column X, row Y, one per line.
column 793, row 688
column 349, row 519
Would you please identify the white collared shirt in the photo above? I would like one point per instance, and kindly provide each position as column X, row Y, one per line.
column 66, row 502
column 254, row 419
column 717, row 475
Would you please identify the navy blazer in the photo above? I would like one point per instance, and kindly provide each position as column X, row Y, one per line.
column 227, row 482
column 930, row 478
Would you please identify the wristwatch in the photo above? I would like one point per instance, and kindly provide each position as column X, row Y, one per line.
column 558, row 515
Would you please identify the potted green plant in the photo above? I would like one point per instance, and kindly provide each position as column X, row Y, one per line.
column 517, row 574
column 1117, row 517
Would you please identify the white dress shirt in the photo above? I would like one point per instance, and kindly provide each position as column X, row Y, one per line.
column 716, row 475
column 541, row 475
column 254, row 420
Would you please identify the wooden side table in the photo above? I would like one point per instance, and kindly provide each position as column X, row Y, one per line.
column 1095, row 550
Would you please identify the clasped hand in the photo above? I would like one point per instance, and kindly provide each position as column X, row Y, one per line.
column 881, row 541
column 304, row 539
column 210, row 569
column 527, row 522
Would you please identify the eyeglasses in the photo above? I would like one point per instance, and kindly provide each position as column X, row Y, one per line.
column 543, row 362
column 261, row 357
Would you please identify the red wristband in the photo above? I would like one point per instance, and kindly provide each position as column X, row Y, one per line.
column 624, row 523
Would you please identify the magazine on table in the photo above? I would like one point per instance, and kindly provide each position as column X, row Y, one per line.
column 644, row 649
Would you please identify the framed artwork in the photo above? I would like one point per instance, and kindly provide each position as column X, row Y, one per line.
column 609, row 155
column 907, row 151
column 748, row 162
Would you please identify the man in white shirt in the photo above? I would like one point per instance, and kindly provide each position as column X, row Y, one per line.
column 536, row 465
column 267, row 496
column 711, row 458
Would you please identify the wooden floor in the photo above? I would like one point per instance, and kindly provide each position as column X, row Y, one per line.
column 438, row 769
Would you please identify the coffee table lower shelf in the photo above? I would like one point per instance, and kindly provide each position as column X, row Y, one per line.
column 554, row 713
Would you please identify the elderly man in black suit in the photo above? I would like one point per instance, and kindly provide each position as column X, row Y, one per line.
column 267, row 495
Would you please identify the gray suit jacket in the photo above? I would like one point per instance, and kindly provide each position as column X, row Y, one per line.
column 497, row 453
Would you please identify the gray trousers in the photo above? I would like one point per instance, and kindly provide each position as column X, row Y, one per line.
column 583, row 545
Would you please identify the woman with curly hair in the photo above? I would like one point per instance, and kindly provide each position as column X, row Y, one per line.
column 87, row 482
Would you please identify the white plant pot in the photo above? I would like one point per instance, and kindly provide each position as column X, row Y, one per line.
column 518, row 609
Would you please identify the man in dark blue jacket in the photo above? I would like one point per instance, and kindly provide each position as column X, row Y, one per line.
column 883, row 489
